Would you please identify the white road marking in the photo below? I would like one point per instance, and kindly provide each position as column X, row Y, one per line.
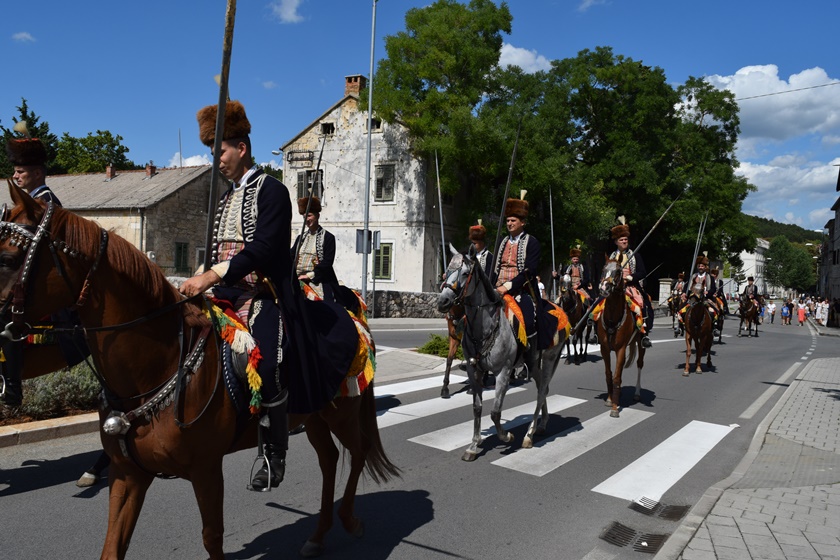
column 660, row 468
column 753, row 409
column 553, row 452
column 404, row 387
column 408, row 412
column 453, row 437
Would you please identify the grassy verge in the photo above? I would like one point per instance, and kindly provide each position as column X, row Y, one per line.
column 439, row 346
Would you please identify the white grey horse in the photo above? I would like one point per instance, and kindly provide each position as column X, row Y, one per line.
column 490, row 345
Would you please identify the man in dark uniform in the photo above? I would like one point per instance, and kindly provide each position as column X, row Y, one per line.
column 252, row 271
column 29, row 158
column 315, row 250
column 579, row 275
column 708, row 289
column 678, row 286
column 751, row 291
column 478, row 238
column 634, row 273
column 720, row 296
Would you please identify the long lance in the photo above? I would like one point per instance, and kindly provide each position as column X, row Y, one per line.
column 599, row 298
column 440, row 207
column 697, row 244
column 553, row 267
column 507, row 187
column 227, row 47
column 316, row 180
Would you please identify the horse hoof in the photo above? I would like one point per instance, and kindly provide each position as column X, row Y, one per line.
column 444, row 393
column 312, row 549
column 527, row 443
column 359, row 531
column 614, row 414
column 607, row 402
column 507, row 437
column 87, row 480
column 468, row 456
column 637, row 398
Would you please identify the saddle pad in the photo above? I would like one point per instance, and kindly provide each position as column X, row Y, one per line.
column 632, row 305
column 517, row 321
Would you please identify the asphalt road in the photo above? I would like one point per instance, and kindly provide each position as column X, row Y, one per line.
column 443, row 507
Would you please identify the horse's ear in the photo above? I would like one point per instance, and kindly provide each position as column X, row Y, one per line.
column 453, row 250
column 471, row 251
column 21, row 198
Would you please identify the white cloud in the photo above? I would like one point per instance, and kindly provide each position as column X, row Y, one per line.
column 269, row 84
column 586, row 4
column 23, row 37
column 189, row 161
column 286, row 10
column 772, row 108
column 820, row 216
column 529, row 61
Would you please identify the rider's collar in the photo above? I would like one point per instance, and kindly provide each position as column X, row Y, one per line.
column 516, row 239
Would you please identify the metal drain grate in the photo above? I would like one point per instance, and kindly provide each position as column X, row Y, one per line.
column 650, row 507
column 619, row 535
column 650, row 543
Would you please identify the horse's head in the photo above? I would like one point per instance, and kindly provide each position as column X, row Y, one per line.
column 611, row 278
column 454, row 280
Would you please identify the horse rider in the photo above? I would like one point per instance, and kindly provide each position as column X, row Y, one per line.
column 515, row 274
column 315, row 249
column 678, row 286
column 634, row 272
column 579, row 275
column 478, row 238
column 751, row 292
column 708, row 287
column 28, row 158
column 719, row 293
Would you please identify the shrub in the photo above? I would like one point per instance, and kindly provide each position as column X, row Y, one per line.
column 439, row 346
column 57, row 394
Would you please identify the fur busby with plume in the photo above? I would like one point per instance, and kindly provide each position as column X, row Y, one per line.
column 681, row 275
column 575, row 251
column 314, row 206
column 750, row 279
column 517, row 207
column 27, row 150
column 714, row 271
column 621, row 230
column 702, row 259
column 237, row 124
column 478, row 232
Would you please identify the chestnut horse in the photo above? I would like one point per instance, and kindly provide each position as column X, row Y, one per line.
column 617, row 333
column 748, row 310
column 453, row 317
column 141, row 334
column 674, row 305
column 698, row 330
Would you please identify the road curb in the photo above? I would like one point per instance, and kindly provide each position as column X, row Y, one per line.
column 43, row 430
column 674, row 546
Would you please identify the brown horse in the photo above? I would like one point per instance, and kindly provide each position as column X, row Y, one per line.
column 574, row 308
column 140, row 333
column 617, row 333
column 748, row 310
column 698, row 330
column 453, row 317
column 674, row 311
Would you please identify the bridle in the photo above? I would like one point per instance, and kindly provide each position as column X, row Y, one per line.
column 29, row 238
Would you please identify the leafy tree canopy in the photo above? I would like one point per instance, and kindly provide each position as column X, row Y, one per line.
column 789, row 266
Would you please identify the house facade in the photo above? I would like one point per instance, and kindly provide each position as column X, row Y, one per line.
column 828, row 265
column 162, row 212
column 403, row 203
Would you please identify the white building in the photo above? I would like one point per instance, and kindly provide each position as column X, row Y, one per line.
column 403, row 196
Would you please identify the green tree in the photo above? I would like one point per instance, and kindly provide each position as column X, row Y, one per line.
column 788, row 266
column 37, row 129
column 92, row 153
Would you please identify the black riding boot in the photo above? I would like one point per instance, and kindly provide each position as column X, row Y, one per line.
column 274, row 431
column 11, row 370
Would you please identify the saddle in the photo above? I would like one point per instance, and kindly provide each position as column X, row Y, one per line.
column 552, row 320
column 637, row 311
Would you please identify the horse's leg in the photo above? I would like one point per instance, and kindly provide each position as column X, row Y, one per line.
column 453, row 348
column 499, row 401
column 620, row 355
column 318, row 433
column 606, row 357
column 699, row 345
column 475, row 376
column 209, row 488
column 350, row 435
column 127, row 488
column 539, row 422
column 640, row 363
column 687, row 353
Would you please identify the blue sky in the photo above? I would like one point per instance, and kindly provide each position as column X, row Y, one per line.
column 143, row 69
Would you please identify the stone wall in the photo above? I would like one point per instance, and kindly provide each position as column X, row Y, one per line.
column 417, row 305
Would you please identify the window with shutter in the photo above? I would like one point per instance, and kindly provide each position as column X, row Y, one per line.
column 383, row 261
column 384, row 186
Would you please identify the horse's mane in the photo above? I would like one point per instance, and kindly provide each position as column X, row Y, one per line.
column 84, row 236
column 485, row 281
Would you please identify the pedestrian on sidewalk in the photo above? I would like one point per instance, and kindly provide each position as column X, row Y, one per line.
column 772, row 309
column 801, row 312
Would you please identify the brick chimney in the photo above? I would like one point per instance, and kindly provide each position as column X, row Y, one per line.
column 354, row 84
column 150, row 169
column 110, row 172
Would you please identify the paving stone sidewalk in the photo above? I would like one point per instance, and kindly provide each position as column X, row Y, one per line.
column 783, row 501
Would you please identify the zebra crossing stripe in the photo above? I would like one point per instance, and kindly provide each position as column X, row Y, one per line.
column 408, row 412
column 460, row 435
column 404, row 387
column 660, row 468
column 551, row 453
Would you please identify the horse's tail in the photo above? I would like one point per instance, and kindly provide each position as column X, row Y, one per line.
column 631, row 356
column 378, row 466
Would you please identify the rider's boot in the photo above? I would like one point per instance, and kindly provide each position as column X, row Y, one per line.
column 275, row 433
column 11, row 371
column 646, row 343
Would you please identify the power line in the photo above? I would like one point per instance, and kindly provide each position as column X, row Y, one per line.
column 788, row 91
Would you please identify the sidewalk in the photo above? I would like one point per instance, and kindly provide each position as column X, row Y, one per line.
column 783, row 499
